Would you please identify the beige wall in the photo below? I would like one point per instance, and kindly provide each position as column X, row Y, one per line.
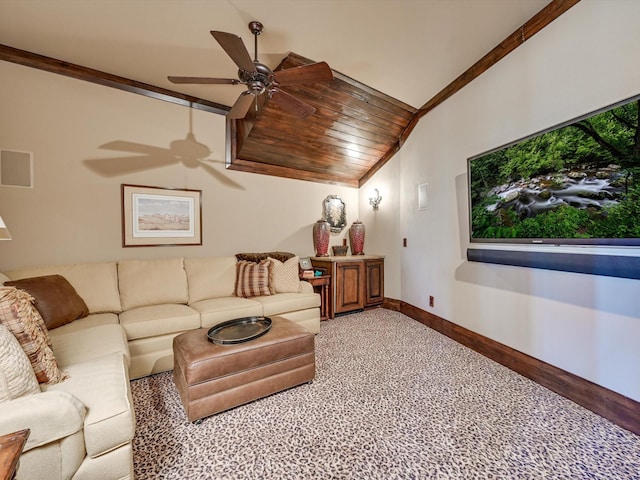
column 73, row 214
column 586, row 324
column 383, row 232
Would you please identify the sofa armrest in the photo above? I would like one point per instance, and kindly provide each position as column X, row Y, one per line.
column 49, row 415
column 305, row 287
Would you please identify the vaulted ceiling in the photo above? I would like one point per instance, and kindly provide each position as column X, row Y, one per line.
column 392, row 62
column 352, row 128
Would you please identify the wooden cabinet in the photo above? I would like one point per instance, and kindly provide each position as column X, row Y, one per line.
column 374, row 270
column 357, row 282
column 350, row 289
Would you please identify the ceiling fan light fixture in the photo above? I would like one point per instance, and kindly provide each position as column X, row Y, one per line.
column 256, row 88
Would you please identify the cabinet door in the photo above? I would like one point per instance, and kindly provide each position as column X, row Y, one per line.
column 349, row 286
column 375, row 282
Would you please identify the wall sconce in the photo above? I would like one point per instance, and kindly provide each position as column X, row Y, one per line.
column 4, row 231
column 375, row 199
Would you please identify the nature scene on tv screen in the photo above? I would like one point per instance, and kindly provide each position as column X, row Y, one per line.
column 580, row 181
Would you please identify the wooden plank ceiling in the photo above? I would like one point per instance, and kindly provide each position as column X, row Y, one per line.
column 352, row 129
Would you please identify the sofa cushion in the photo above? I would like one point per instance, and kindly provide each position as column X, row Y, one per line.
column 288, row 302
column 90, row 321
column 156, row 320
column 18, row 314
column 16, row 374
column 152, row 282
column 285, row 278
column 55, row 298
column 90, row 343
column 253, row 279
column 96, row 283
column 218, row 310
column 259, row 257
column 102, row 385
column 51, row 417
column 210, row 277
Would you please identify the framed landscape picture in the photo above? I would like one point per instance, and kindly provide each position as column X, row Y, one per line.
column 154, row 216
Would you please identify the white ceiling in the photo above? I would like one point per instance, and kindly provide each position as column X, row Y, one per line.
column 408, row 49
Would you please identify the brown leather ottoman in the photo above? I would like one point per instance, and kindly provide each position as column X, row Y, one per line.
column 211, row 378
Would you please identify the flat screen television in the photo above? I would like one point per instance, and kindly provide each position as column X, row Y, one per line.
column 575, row 184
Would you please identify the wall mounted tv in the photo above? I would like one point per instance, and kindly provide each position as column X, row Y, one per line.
column 575, row 184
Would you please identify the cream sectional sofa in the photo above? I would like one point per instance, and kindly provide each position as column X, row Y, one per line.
column 83, row 427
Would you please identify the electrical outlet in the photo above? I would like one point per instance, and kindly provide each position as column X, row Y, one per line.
column 432, row 301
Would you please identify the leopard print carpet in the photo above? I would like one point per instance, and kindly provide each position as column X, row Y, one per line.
column 392, row 399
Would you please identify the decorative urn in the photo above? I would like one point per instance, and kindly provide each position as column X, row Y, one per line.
column 356, row 238
column 321, row 234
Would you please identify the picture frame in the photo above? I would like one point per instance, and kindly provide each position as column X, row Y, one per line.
column 160, row 216
column 305, row 263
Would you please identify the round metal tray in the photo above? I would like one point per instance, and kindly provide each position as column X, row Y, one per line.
column 239, row 330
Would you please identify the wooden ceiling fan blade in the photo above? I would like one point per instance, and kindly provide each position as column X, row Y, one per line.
column 234, row 46
column 315, row 72
column 242, row 106
column 204, row 80
column 292, row 104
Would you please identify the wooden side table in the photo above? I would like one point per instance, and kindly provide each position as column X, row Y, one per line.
column 11, row 446
column 357, row 281
column 322, row 285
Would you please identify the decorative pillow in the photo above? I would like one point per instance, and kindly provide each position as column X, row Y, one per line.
column 16, row 375
column 285, row 275
column 22, row 319
column 259, row 257
column 252, row 279
column 55, row 298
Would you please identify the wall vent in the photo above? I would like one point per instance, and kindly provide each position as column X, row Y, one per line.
column 16, row 169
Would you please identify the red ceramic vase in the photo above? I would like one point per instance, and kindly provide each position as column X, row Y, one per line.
column 321, row 235
column 356, row 238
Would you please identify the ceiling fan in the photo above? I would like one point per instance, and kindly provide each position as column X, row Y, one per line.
column 260, row 79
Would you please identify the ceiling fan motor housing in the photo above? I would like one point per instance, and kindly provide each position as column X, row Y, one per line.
column 258, row 81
